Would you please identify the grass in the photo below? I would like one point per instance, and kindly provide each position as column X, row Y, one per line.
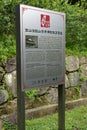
column 76, row 119
column 79, row 51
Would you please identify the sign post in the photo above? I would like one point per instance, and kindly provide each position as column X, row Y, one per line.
column 20, row 93
column 40, row 53
column 61, row 107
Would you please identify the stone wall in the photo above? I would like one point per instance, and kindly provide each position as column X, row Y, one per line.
column 75, row 85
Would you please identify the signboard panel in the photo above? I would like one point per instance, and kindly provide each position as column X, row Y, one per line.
column 42, row 39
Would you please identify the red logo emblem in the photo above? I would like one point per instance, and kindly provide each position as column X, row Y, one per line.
column 45, row 21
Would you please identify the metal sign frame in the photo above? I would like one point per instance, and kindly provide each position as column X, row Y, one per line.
column 42, row 49
column 20, row 66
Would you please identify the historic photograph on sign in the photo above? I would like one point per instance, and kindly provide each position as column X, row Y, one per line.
column 31, row 41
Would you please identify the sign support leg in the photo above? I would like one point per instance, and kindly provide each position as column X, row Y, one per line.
column 20, row 93
column 21, row 110
column 61, row 107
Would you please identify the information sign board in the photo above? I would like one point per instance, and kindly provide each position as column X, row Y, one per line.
column 42, row 39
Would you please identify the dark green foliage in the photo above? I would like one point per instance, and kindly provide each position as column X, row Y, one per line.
column 80, row 3
column 76, row 24
column 76, row 29
column 7, row 46
column 74, row 1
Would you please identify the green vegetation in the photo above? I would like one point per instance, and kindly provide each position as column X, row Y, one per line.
column 76, row 24
column 8, row 126
column 76, row 40
column 31, row 93
column 7, row 46
column 76, row 44
column 76, row 118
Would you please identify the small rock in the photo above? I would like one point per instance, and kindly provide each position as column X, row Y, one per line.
column 3, row 96
column 42, row 91
column 71, row 94
column 12, row 61
column 73, row 79
column 52, row 96
column 72, row 63
column 10, row 65
column 83, row 90
column 11, row 106
column 83, row 70
column 10, row 68
column 10, row 80
column 67, row 83
column 82, row 60
column 1, row 69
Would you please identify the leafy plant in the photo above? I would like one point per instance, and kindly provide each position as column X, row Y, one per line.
column 9, row 126
column 7, row 46
column 31, row 93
